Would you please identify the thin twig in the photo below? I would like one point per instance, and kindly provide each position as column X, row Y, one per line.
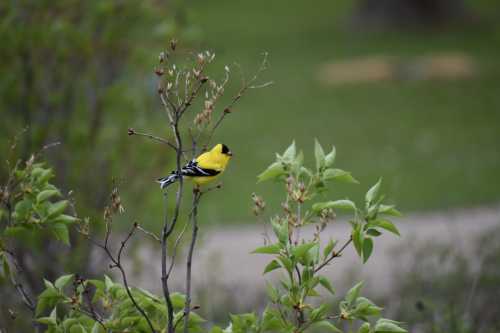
column 176, row 246
column 17, row 284
column 245, row 86
column 334, row 255
column 92, row 310
column 116, row 263
column 132, row 131
column 194, row 222
column 149, row 233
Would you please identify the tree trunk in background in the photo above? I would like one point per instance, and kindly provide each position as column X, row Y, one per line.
column 409, row 12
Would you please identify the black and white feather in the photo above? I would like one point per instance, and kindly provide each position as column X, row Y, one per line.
column 189, row 170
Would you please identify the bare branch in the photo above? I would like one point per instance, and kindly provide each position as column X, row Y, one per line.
column 28, row 302
column 194, row 222
column 149, row 233
column 245, row 86
column 131, row 131
column 334, row 255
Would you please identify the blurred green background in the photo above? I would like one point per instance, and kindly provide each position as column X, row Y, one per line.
column 435, row 142
column 433, row 138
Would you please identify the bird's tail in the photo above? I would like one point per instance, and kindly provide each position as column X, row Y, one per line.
column 166, row 181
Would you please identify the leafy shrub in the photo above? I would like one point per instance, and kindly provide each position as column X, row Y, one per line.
column 77, row 304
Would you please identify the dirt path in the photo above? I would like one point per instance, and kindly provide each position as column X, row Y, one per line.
column 224, row 262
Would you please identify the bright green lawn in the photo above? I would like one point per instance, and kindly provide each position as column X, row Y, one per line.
column 437, row 144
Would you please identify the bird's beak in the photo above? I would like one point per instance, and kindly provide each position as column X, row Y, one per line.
column 230, row 153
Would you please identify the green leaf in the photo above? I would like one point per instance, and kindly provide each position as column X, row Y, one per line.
column 373, row 192
column 48, row 284
column 319, row 312
column 325, row 326
column 271, row 266
column 178, row 300
column 44, row 176
column 290, row 152
column 280, row 230
column 22, row 209
column 273, row 171
column 384, row 224
column 329, row 248
column 5, row 265
column 44, row 195
column 287, row 263
column 354, row 292
column 373, row 232
column 326, row 284
column 108, row 283
column 66, row 219
column 269, row 249
column 367, row 248
column 300, row 250
column 16, row 231
column 57, row 208
column 272, row 293
column 365, row 308
column 357, row 239
column 365, row 328
column 62, row 281
column 389, row 210
column 47, row 300
column 340, row 175
column 47, row 321
column 388, row 326
column 330, row 158
column 343, row 204
column 319, row 154
column 216, row 329
column 60, row 232
column 271, row 320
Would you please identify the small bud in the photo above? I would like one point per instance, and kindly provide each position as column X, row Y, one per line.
column 201, row 58
column 131, row 131
column 227, row 110
column 173, row 44
column 160, row 89
column 159, row 71
column 162, row 57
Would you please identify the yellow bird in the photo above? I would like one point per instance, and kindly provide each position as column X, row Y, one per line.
column 203, row 169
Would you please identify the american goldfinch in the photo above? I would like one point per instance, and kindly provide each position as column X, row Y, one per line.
column 203, row 169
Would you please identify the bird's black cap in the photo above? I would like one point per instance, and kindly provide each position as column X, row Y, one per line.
column 225, row 150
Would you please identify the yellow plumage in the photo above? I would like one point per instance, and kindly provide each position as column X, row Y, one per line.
column 203, row 169
column 212, row 160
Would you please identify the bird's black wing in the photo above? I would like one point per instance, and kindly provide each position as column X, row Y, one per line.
column 192, row 169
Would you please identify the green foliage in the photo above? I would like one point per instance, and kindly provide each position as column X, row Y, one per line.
column 30, row 203
column 71, row 305
column 303, row 259
column 67, row 73
column 74, row 304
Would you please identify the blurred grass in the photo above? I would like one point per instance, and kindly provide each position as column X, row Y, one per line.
column 435, row 143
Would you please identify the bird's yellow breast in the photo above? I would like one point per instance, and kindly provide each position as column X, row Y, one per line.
column 203, row 180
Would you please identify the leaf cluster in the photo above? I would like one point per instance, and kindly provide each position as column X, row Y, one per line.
column 293, row 306
column 102, row 305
